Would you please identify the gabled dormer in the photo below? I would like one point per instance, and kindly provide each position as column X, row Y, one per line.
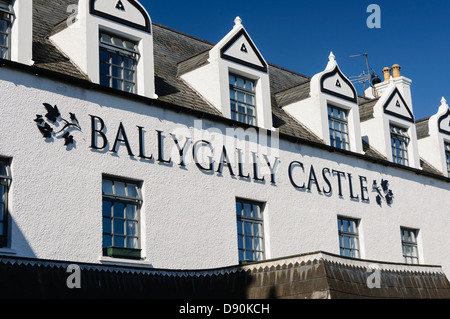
column 233, row 77
column 331, row 109
column 111, row 41
column 391, row 129
column 434, row 139
column 16, row 31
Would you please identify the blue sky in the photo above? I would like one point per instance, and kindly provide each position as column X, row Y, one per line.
column 299, row 35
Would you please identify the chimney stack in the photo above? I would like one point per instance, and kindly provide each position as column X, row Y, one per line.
column 396, row 71
column 387, row 74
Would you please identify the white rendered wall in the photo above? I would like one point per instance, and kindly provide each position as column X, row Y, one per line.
column 22, row 32
column 188, row 216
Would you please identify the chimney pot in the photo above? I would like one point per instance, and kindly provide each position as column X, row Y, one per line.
column 396, row 71
column 387, row 73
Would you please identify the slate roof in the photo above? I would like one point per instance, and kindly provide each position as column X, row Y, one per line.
column 175, row 53
column 316, row 275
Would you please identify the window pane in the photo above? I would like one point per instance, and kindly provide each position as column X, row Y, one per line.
column 107, row 241
column 131, row 229
column 104, row 69
column 106, row 81
column 131, row 212
column 119, row 227
column 119, row 210
column 119, row 188
column 116, row 60
column 247, row 210
column 107, row 208
column 116, row 72
column 3, row 40
column 132, row 243
column 107, row 225
column 117, row 84
column 128, row 63
column 104, row 56
column 107, row 187
column 119, row 241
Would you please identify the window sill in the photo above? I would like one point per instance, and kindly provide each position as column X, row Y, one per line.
column 7, row 251
column 122, row 261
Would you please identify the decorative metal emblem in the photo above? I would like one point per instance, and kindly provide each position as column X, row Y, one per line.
column 383, row 192
column 53, row 125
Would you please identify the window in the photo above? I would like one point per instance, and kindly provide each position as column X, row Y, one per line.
column 348, row 237
column 447, row 157
column 409, row 245
column 6, row 17
column 118, row 60
column 5, row 181
column 250, row 230
column 399, row 144
column 338, row 126
column 121, row 209
column 242, row 99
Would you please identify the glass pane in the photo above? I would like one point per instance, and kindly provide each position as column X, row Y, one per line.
column 104, row 69
column 240, row 82
column 131, row 228
column 233, row 106
column 117, row 72
column 2, row 213
column 247, row 228
column 240, row 242
column 128, row 63
column 241, row 255
column 132, row 243
column 131, row 212
column 104, row 56
column 3, row 53
column 241, row 97
column 248, row 243
column 3, row 25
column 2, row 193
column 117, row 84
column 249, row 255
column 119, row 210
column 128, row 87
column 119, row 227
column 231, row 79
column 107, row 187
column 107, row 208
column 107, row 225
column 119, row 241
column 128, row 75
column 3, row 40
column 132, row 191
column 119, row 189
column 255, row 211
column 116, row 59
column 105, row 38
column 105, row 81
column 247, row 210
column 107, row 241
column 239, row 227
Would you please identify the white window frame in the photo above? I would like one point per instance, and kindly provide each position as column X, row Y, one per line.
column 130, row 52
column 5, row 183
column 7, row 15
column 332, row 120
column 242, row 221
column 354, row 248
column 401, row 135
column 108, row 215
column 410, row 243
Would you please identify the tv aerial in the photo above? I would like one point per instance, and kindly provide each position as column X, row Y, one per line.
column 371, row 77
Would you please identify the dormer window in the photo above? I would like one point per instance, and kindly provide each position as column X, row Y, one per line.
column 447, row 157
column 338, row 126
column 118, row 60
column 242, row 99
column 399, row 145
column 6, row 17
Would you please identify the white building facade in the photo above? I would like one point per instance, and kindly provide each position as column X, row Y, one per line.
column 128, row 163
